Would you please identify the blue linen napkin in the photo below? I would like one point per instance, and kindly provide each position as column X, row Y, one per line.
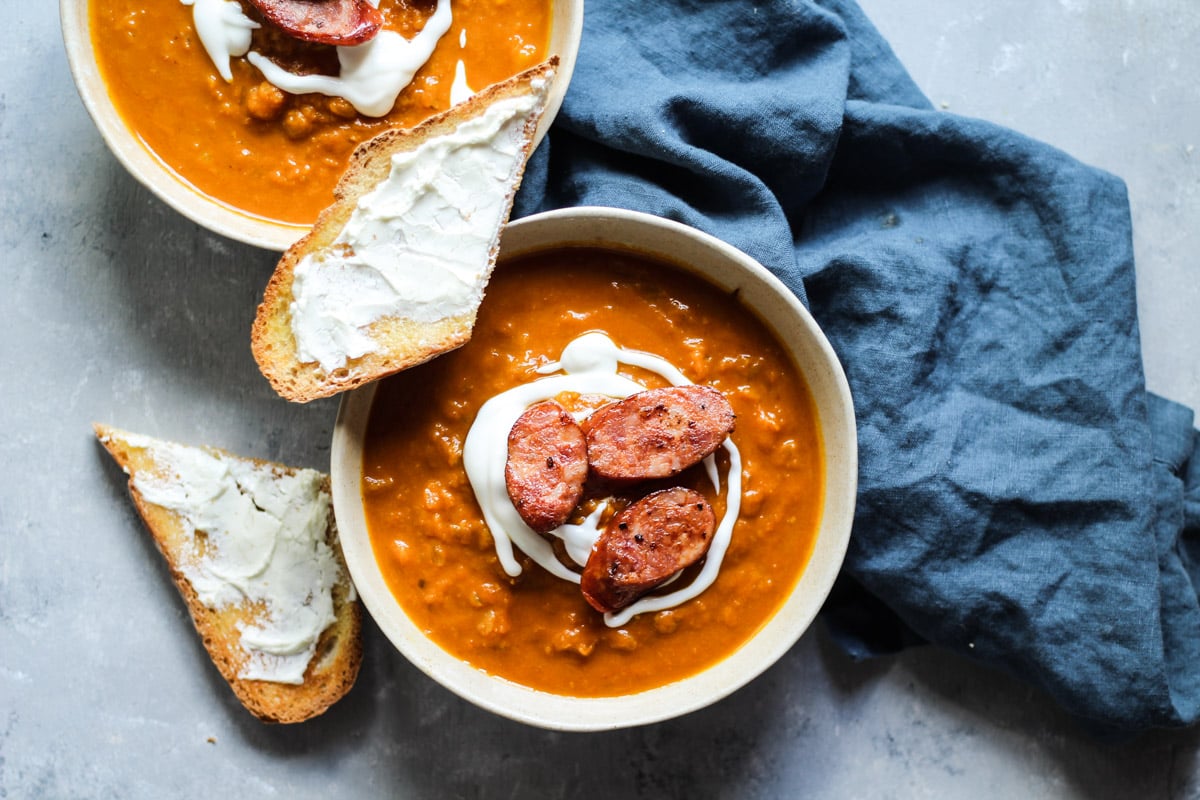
column 1023, row 500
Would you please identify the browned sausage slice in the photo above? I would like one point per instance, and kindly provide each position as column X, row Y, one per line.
column 338, row 22
column 546, row 467
column 657, row 433
column 645, row 544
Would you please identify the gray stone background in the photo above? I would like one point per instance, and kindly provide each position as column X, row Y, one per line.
column 114, row 308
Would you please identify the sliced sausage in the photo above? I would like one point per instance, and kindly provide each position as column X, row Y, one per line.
column 657, row 433
column 646, row 543
column 546, row 467
column 337, row 22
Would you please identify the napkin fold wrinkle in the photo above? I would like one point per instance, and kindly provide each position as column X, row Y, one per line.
column 1022, row 499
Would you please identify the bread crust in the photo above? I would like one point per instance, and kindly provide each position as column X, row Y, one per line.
column 403, row 342
column 335, row 664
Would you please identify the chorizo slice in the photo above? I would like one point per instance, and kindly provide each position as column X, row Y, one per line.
column 336, row 22
column 546, row 466
column 646, row 543
column 657, row 433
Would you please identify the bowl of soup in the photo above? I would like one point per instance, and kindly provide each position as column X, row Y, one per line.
column 592, row 308
column 246, row 130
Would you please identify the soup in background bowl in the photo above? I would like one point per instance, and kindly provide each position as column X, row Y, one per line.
column 251, row 161
column 526, row 645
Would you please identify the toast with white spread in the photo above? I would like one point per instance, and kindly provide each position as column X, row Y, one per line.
column 392, row 274
column 253, row 549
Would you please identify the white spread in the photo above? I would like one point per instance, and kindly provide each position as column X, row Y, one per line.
column 588, row 366
column 223, row 30
column 418, row 245
column 259, row 541
column 371, row 74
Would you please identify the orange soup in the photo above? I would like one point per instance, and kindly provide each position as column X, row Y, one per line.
column 263, row 151
column 437, row 553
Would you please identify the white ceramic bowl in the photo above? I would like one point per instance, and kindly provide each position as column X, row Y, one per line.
column 177, row 193
column 731, row 270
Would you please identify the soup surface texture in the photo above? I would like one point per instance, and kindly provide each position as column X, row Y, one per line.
column 428, row 532
column 268, row 153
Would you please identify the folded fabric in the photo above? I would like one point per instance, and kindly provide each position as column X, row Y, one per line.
column 1022, row 500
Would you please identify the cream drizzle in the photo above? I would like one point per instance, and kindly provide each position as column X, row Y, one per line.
column 459, row 90
column 589, row 366
column 224, row 30
column 371, row 74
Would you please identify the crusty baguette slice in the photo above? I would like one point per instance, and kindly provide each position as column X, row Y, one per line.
column 398, row 341
column 155, row 466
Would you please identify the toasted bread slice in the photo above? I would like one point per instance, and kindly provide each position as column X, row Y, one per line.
column 321, row 328
column 254, row 552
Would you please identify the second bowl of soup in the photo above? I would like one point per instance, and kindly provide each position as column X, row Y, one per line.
column 246, row 130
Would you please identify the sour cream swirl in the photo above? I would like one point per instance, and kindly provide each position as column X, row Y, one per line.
column 224, row 30
column 371, row 75
column 588, row 366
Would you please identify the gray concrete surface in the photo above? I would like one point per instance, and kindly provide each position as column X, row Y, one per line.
column 114, row 308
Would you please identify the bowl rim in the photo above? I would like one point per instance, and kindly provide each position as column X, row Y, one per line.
column 218, row 217
column 616, row 227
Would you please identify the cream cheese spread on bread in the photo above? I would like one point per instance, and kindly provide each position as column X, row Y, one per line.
column 259, row 539
column 418, row 245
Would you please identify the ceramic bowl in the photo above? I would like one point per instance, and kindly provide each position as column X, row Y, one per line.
column 731, row 270
column 145, row 166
